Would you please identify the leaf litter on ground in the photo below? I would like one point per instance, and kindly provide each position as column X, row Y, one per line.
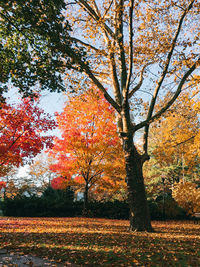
column 103, row 242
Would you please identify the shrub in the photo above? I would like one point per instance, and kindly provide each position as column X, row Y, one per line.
column 56, row 203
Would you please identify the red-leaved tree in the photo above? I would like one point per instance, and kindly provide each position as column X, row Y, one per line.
column 89, row 147
column 2, row 185
column 22, row 129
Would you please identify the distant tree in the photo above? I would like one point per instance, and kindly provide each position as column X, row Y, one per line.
column 12, row 190
column 39, row 171
column 2, row 185
column 174, row 136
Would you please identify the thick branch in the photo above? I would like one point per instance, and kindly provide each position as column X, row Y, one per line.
column 96, row 8
column 160, row 82
column 84, row 66
column 106, row 31
column 94, row 15
column 169, row 104
column 120, row 42
column 151, row 108
column 115, row 82
column 130, row 47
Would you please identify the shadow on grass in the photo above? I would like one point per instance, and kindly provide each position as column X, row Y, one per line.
column 108, row 249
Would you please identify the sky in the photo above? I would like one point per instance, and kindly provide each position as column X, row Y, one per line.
column 49, row 102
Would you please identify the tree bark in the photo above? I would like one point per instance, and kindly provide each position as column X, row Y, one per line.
column 139, row 211
column 85, row 204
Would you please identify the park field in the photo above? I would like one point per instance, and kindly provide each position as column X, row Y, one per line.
column 102, row 242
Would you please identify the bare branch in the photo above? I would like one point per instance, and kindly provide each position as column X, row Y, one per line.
column 89, row 46
column 153, row 101
column 106, row 11
column 71, row 3
column 107, row 31
column 116, row 86
column 137, row 87
column 96, row 8
column 178, row 91
column 120, row 42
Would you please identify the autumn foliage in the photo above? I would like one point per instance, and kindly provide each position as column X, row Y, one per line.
column 2, row 185
column 89, row 148
column 135, row 48
column 59, row 183
column 21, row 133
column 188, row 196
column 175, row 136
column 174, row 142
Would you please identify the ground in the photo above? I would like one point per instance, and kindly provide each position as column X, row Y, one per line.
column 100, row 242
column 12, row 259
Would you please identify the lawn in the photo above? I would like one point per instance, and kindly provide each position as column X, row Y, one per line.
column 102, row 242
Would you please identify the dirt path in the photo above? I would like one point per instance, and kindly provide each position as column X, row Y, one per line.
column 18, row 260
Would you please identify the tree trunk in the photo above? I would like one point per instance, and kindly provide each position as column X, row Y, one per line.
column 139, row 211
column 85, row 205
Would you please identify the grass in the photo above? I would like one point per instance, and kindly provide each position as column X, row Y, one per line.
column 102, row 242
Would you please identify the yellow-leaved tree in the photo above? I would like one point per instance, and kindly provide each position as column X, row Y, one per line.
column 174, row 142
column 187, row 196
column 175, row 135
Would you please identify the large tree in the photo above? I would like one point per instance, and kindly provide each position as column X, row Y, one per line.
column 125, row 44
column 39, row 171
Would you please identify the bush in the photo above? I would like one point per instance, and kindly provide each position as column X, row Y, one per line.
column 166, row 209
column 56, row 203
column 111, row 210
column 51, row 203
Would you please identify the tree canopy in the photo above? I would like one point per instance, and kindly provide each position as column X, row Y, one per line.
column 34, row 45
